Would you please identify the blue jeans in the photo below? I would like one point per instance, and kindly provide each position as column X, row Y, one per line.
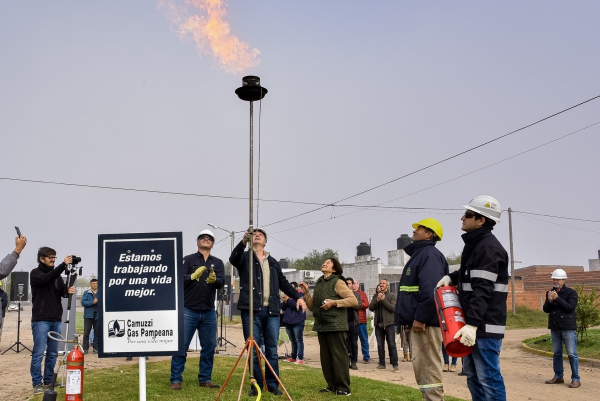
column 447, row 357
column 569, row 339
column 266, row 335
column 206, row 324
column 295, row 333
column 42, row 343
column 364, row 341
column 482, row 367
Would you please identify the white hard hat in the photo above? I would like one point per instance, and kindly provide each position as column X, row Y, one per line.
column 206, row 232
column 486, row 206
column 559, row 274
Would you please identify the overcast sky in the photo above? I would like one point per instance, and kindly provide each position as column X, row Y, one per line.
column 360, row 93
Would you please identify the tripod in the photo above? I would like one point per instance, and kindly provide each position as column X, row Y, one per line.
column 222, row 341
column 18, row 342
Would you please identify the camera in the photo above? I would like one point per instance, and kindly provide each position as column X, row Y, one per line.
column 75, row 260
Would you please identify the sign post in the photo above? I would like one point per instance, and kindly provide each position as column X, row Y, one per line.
column 141, row 297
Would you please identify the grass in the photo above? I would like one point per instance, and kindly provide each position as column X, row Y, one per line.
column 526, row 318
column 302, row 382
column 588, row 348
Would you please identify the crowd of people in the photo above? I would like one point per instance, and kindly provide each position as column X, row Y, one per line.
column 339, row 311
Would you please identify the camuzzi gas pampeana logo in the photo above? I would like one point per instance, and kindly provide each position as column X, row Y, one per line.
column 116, row 328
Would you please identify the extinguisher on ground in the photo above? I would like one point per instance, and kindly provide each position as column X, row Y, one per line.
column 452, row 319
column 74, row 380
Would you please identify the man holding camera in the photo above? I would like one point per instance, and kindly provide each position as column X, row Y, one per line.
column 203, row 275
column 89, row 301
column 47, row 289
column 266, row 282
column 10, row 261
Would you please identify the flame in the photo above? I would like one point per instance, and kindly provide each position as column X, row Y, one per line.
column 211, row 32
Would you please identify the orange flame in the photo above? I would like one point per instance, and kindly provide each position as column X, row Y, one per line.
column 211, row 33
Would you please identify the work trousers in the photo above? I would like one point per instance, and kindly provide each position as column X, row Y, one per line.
column 427, row 362
column 88, row 324
column 334, row 360
column 382, row 335
column 352, row 341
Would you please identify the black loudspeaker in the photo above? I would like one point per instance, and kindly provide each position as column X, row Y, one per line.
column 222, row 294
column 19, row 284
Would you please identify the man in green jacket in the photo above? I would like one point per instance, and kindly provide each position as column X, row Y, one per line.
column 383, row 304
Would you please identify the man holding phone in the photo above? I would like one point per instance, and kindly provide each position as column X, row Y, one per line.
column 10, row 261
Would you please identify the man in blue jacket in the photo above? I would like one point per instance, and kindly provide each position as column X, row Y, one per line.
column 203, row 275
column 267, row 281
column 415, row 306
column 560, row 306
column 89, row 300
column 482, row 282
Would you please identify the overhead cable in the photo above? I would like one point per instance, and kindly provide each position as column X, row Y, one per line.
column 436, row 163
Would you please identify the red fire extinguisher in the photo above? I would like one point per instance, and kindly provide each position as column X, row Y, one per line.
column 74, row 382
column 452, row 319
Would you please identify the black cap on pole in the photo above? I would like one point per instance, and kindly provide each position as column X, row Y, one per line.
column 251, row 89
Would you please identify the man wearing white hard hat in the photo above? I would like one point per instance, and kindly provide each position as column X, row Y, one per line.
column 560, row 305
column 482, row 281
column 203, row 275
column 415, row 306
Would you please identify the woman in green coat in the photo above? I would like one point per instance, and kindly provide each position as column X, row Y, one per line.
column 328, row 303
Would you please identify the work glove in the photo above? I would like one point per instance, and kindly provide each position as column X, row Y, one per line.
column 467, row 335
column 212, row 277
column 444, row 281
column 196, row 275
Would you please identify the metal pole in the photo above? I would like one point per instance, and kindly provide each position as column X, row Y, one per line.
column 251, row 231
column 512, row 263
column 231, row 288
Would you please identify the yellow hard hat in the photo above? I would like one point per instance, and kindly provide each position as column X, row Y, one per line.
column 432, row 224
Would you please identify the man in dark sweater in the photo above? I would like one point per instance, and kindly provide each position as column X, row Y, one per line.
column 203, row 275
column 47, row 289
column 560, row 305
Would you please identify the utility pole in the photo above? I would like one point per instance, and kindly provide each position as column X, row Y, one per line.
column 512, row 263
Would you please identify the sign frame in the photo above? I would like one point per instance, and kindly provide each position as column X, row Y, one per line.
column 108, row 247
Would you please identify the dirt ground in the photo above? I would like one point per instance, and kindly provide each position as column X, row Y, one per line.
column 524, row 373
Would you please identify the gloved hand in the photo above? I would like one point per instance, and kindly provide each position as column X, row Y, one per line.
column 212, row 277
column 467, row 335
column 443, row 282
column 196, row 275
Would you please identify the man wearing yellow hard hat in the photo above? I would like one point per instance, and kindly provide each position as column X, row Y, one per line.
column 415, row 305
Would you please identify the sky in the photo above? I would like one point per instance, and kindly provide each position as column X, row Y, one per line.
column 116, row 94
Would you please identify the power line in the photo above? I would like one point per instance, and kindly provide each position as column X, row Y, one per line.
column 438, row 162
column 556, row 217
column 288, row 245
column 461, row 176
column 562, row 225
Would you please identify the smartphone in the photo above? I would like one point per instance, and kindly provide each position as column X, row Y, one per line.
column 18, row 231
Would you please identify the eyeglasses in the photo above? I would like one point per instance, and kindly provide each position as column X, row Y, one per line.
column 207, row 237
column 469, row 214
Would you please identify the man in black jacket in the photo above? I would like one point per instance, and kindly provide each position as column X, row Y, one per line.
column 482, row 281
column 560, row 306
column 203, row 275
column 267, row 281
column 415, row 306
column 47, row 289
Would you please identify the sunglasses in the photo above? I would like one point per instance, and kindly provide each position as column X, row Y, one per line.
column 469, row 214
column 207, row 237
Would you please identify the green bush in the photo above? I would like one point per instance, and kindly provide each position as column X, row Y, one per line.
column 588, row 310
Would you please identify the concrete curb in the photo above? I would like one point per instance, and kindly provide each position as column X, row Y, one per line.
column 586, row 361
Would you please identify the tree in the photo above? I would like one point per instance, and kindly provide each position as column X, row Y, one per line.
column 314, row 260
column 453, row 259
column 588, row 309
